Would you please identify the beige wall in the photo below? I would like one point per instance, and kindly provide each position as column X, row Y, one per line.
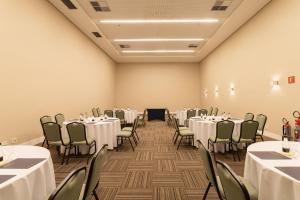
column 172, row 85
column 47, row 66
column 267, row 46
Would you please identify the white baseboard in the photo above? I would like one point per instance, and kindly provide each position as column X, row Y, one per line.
column 34, row 141
column 272, row 135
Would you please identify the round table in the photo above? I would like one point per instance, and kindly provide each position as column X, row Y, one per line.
column 103, row 131
column 204, row 129
column 36, row 182
column 271, row 182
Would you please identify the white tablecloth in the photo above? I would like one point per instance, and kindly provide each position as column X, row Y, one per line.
column 130, row 115
column 271, row 183
column 37, row 182
column 104, row 132
column 203, row 129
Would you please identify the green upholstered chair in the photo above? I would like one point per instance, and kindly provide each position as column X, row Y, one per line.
column 223, row 135
column 98, row 111
column 120, row 114
column 93, row 175
column 177, row 128
column 189, row 113
column 202, row 112
column 43, row 120
column 78, row 137
column 183, row 133
column 262, row 120
column 247, row 134
column 54, row 137
column 109, row 113
column 71, row 186
column 249, row 116
column 142, row 118
column 95, row 112
column 133, row 128
column 169, row 118
column 213, row 179
column 215, row 111
column 210, row 111
column 235, row 188
column 127, row 135
column 60, row 118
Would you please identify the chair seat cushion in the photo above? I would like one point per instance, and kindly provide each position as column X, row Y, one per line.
column 213, row 138
column 124, row 133
column 259, row 132
column 251, row 190
column 89, row 141
column 59, row 143
column 127, row 129
column 186, row 132
column 183, row 128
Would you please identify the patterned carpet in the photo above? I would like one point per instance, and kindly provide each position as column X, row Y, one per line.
column 155, row 170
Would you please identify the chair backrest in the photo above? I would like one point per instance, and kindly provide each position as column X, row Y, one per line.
column 52, row 131
column 202, row 111
column 215, row 111
column 109, row 113
column 224, row 129
column 98, row 111
column 209, row 168
column 249, row 116
column 60, row 118
column 144, row 114
column 176, row 124
column 76, row 131
column 249, row 129
column 262, row 120
column 135, row 124
column 70, row 187
column 120, row 114
column 232, row 186
column 210, row 110
column 45, row 119
column 94, row 169
column 168, row 113
column 95, row 112
column 190, row 113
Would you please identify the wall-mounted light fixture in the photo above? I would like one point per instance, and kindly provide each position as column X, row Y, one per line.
column 275, row 83
column 216, row 91
column 205, row 93
column 232, row 89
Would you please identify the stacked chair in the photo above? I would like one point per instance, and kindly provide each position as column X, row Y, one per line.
column 202, row 112
column 189, row 113
column 43, row 120
column 183, row 132
column 120, row 114
column 95, row 112
column 60, row 118
column 109, row 113
column 262, row 120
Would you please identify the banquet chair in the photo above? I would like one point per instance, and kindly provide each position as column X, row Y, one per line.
column 249, row 116
column 59, row 118
column 142, row 118
column 202, row 112
column 169, row 119
column 93, row 174
column 223, row 135
column 235, row 187
column 98, row 111
column 262, row 120
column 95, row 112
column 109, row 113
column 215, row 111
column 213, row 179
column 177, row 129
column 127, row 135
column 120, row 114
column 210, row 110
column 71, row 186
column 43, row 120
column 133, row 127
column 54, row 137
column 78, row 137
column 183, row 133
column 189, row 113
column 247, row 134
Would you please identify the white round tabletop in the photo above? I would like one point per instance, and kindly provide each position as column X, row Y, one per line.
column 30, row 172
column 272, row 172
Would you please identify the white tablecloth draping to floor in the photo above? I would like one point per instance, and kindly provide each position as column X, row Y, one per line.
column 37, row 182
column 203, row 129
column 130, row 115
column 271, row 183
column 104, row 131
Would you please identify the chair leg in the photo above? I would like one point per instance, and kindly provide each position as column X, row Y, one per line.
column 118, row 143
column 134, row 139
column 231, row 147
column 63, row 159
column 179, row 142
column 261, row 137
column 68, row 155
column 206, row 191
column 237, row 152
column 176, row 138
column 131, row 144
column 137, row 135
column 43, row 142
column 95, row 195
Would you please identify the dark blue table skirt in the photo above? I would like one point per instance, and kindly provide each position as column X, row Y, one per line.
column 156, row 113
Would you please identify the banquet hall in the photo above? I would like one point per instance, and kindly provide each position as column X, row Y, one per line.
column 150, row 100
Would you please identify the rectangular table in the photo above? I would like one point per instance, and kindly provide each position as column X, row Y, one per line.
column 156, row 113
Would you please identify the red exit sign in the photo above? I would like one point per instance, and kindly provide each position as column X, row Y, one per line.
column 291, row 79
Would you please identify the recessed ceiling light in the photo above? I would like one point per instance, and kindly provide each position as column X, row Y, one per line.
column 158, row 21
column 159, row 40
column 158, row 51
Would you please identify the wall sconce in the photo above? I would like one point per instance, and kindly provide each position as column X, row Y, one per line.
column 216, row 91
column 205, row 93
column 275, row 83
column 232, row 89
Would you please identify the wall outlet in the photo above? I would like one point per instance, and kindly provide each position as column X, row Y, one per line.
column 14, row 140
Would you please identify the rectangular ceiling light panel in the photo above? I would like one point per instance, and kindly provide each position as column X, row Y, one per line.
column 158, row 21
column 158, row 51
column 159, row 40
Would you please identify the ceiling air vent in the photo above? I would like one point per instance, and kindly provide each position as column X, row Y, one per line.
column 69, row 4
column 124, row 46
column 96, row 34
column 100, row 6
column 221, row 5
column 193, row 45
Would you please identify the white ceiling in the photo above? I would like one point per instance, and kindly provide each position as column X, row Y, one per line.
column 88, row 21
